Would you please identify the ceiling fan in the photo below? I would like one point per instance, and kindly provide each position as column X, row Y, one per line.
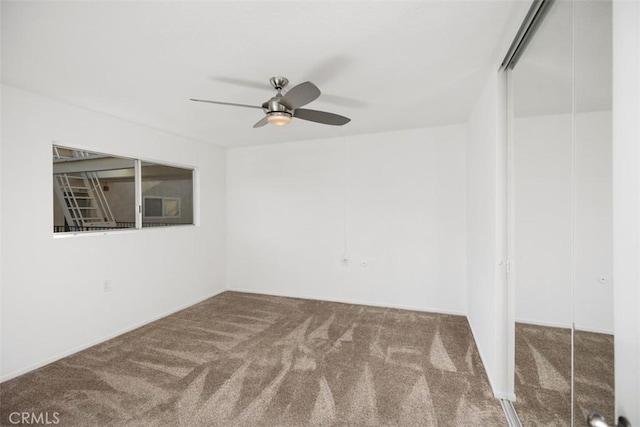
column 282, row 107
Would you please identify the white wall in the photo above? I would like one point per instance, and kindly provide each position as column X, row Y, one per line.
column 489, row 308
column 546, row 222
column 593, row 226
column 486, row 195
column 542, row 216
column 626, row 205
column 1, row 243
column 52, row 298
column 395, row 200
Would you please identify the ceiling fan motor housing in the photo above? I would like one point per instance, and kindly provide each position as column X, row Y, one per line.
column 279, row 82
column 273, row 106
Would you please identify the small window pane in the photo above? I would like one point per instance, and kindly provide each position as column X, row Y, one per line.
column 171, row 208
column 92, row 191
column 167, row 194
column 152, row 207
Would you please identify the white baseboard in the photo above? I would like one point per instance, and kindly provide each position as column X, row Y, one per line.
column 497, row 393
column 544, row 323
column 594, row 330
column 351, row 301
column 563, row 326
column 107, row 337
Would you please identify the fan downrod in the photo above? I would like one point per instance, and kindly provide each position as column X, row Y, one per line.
column 279, row 82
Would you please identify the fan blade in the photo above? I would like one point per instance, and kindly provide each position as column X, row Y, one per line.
column 226, row 103
column 321, row 117
column 261, row 123
column 300, row 95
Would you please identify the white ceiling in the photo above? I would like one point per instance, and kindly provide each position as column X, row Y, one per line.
column 388, row 65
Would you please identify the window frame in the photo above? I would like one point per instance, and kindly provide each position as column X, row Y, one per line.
column 138, row 204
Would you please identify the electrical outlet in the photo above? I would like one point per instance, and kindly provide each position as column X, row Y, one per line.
column 106, row 286
column 364, row 263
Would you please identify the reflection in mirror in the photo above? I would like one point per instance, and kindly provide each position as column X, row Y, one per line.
column 541, row 88
column 593, row 230
column 562, row 217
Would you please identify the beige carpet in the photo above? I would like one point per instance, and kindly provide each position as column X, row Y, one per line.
column 595, row 375
column 543, row 376
column 252, row 360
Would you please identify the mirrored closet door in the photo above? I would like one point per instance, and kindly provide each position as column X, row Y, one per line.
column 593, row 362
column 560, row 209
column 542, row 139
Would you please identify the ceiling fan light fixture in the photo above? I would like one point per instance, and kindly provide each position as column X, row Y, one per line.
column 278, row 118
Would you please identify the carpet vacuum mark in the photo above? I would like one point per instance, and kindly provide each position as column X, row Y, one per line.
column 254, row 360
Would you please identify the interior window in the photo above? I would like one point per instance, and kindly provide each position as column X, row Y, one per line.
column 97, row 192
column 167, row 193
